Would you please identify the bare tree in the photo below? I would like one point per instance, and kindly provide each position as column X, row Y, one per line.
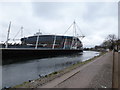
column 109, row 41
column 111, row 38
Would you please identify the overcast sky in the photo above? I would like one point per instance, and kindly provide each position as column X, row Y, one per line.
column 95, row 19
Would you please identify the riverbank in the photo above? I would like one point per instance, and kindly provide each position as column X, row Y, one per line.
column 43, row 80
column 96, row 74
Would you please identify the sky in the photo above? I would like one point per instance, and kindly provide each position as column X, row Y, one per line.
column 96, row 20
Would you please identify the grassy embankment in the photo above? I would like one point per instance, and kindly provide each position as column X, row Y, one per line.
column 51, row 76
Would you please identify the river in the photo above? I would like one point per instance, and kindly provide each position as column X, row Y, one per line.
column 18, row 73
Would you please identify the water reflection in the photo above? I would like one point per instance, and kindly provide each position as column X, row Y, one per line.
column 18, row 73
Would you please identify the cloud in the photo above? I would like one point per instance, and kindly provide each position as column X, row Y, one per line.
column 100, row 10
column 46, row 10
column 96, row 20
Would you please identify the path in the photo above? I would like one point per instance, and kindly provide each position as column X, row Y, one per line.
column 96, row 74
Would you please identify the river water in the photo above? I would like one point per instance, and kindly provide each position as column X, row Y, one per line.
column 18, row 73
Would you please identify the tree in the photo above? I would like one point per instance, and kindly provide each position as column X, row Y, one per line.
column 109, row 41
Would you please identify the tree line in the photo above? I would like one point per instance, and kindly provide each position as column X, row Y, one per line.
column 111, row 42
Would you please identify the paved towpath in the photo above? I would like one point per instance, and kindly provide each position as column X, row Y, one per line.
column 96, row 74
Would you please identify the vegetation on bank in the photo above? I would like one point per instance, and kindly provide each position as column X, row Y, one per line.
column 111, row 42
column 44, row 79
